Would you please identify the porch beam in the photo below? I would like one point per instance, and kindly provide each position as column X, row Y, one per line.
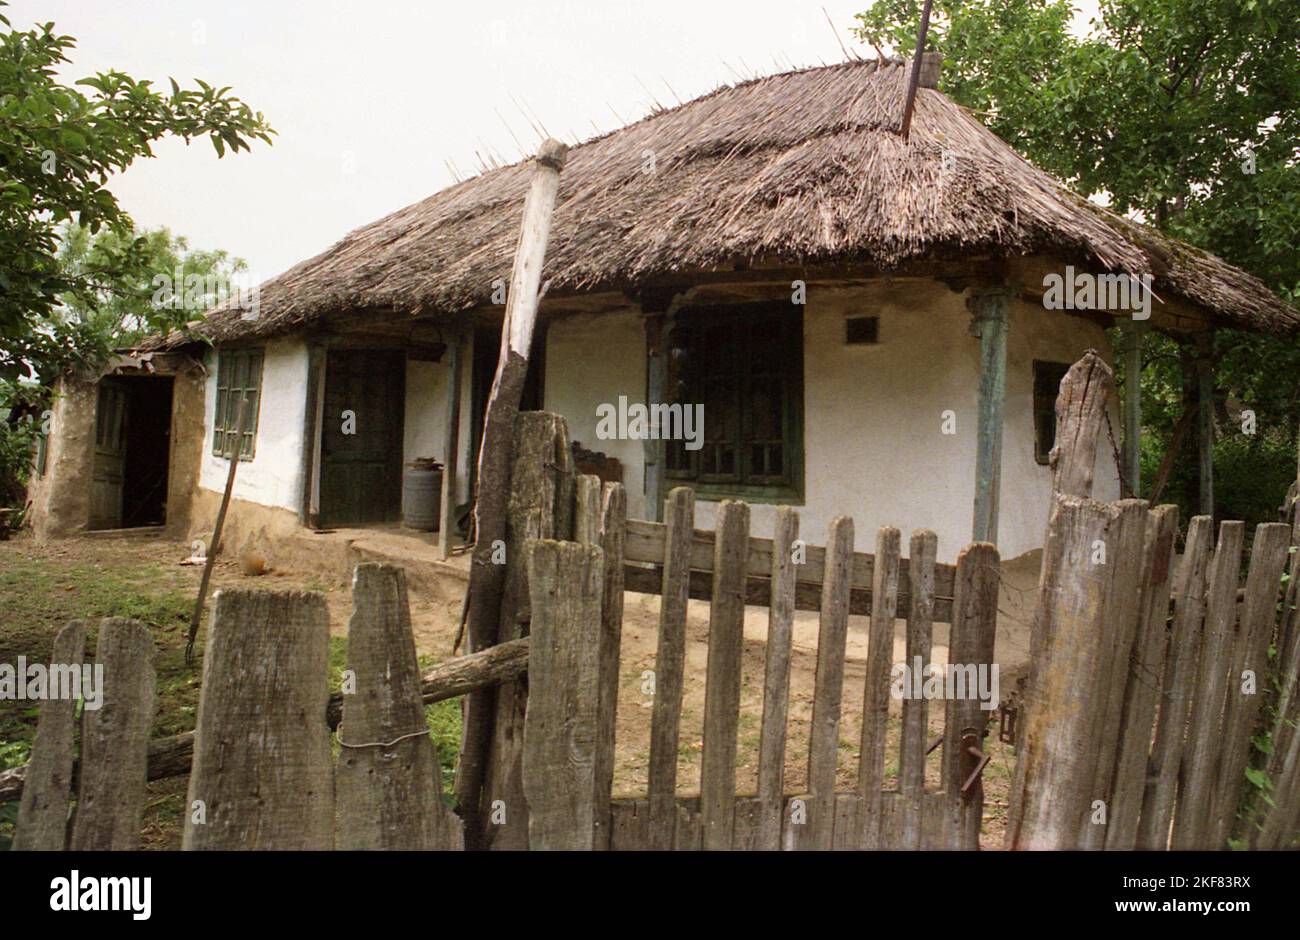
column 450, row 446
column 989, row 307
column 1132, row 419
column 1205, row 419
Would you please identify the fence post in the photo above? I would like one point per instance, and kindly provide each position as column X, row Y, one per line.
column 776, row 681
column 561, row 723
column 388, row 783
column 613, row 535
column 43, row 813
column 541, row 506
column 875, row 698
column 263, row 775
column 115, row 740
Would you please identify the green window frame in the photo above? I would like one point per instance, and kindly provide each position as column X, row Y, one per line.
column 744, row 364
column 1047, row 385
column 239, row 373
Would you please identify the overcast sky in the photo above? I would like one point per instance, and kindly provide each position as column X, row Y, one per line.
column 371, row 100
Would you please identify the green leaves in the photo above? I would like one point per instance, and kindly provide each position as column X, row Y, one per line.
column 59, row 146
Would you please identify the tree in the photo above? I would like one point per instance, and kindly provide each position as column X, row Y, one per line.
column 1181, row 113
column 59, row 147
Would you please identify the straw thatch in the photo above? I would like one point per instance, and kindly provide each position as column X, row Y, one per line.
column 804, row 167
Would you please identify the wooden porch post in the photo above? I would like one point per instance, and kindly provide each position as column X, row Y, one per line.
column 656, row 380
column 1133, row 333
column 309, row 514
column 1205, row 418
column 989, row 307
column 450, row 442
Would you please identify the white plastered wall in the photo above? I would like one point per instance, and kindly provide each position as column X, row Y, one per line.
column 873, row 415
column 274, row 476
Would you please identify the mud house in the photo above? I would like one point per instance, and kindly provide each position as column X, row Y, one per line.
column 861, row 316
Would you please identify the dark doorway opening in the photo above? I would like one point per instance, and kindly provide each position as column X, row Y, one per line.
column 361, row 436
column 133, row 424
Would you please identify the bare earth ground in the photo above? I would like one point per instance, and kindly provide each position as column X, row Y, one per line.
column 65, row 579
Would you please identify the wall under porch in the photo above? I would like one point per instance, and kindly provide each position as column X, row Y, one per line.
column 873, row 414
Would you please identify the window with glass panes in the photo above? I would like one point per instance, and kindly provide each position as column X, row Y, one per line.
column 239, row 373
column 744, row 364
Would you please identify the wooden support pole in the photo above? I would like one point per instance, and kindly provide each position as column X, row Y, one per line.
column 450, row 447
column 1205, row 419
column 990, row 324
column 313, row 403
column 1132, row 457
column 656, row 381
column 487, row 580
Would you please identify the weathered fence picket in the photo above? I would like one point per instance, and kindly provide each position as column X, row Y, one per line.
column 115, row 740
column 388, row 782
column 43, row 813
column 263, row 775
column 828, row 690
column 776, row 692
column 875, row 708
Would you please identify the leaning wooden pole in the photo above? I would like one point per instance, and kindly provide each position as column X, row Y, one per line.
column 215, row 547
column 488, row 570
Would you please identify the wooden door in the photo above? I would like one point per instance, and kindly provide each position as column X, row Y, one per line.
column 110, row 457
column 361, row 436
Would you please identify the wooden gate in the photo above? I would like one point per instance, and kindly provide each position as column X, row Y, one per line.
column 576, row 594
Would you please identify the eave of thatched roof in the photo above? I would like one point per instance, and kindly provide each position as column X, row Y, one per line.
column 804, row 167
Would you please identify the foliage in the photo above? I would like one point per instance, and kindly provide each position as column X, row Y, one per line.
column 59, row 147
column 1182, row 113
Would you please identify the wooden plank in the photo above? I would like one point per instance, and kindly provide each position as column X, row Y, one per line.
column 450, row 446
column 722, row 682
column 567, row 581
column 746, row 833
column 670, row 666
column 115, row 741
column 875, row 699
column 1080, row 412
column 645, row 544
column 263, row 777
column 629, row 825
column 990, row 308
column 828, row 692
column 542, row 482
column 915, row 734
column 310, row 457
column 776, row 683
column 1145, row 677
column 1193, row 826
column 758, row 591
column 689, row 833
column 482, row 740
column 1177, row 688
column 587, row 509
column 1124, row 548
column 42, row 824
column 388, row 782
column 1051, row 792
column 613, row 530
column 970, row 648
column 847, row 836
column 1250, row 670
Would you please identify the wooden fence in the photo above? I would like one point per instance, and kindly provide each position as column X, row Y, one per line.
column 1148, row 673
column 576, row 595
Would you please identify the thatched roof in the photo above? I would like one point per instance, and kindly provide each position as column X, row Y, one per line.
column 804, row 167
